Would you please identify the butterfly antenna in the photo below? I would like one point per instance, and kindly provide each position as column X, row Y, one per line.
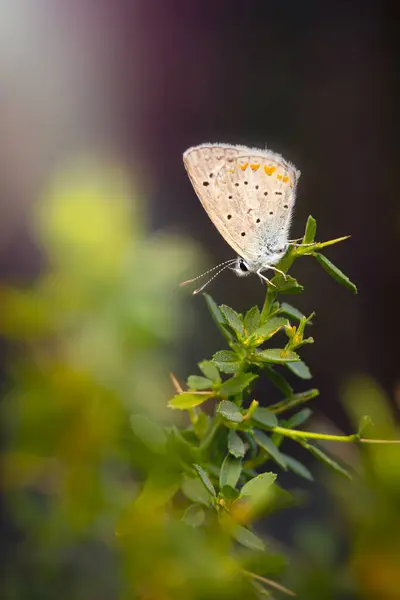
column 200, row 289
column 224, row 265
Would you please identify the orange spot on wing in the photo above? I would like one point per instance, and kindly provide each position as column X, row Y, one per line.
column 269, row 170
column 244, row 166
column 285, row 179
column 280, row 177
column 255, row 167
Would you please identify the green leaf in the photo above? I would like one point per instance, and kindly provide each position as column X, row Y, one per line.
column 149, row 432
column 300, row 369
column 266, row 331
column 237, row 384
column 290, row 311
column 327, row 460
column 263, row 416
column 252, row 320
column 267, row 444
column 210, row 370
column 226, row 361
column 256, row 487
column 233, row 319
column 278, row 380
column 299, row 418
column 298, row 467
column 194, row 490
column 230, row 411
column 194, row 515
column 365, row 422
column 288, row 285
column 201, row 424
column 217, row 316
column 229, row 493
column 334, row 272
column 188, row 400
column 196, row 382
column 230, row 471
column 277, row 356
column 311, row 230
column 205, row 479
column 235, row 444
column 248, row 538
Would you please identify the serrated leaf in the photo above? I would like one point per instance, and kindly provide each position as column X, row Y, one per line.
column 226, row 361
column 256, row 487
column 232, row 318
column 288, row 285
column 277, row 356
column 270, row 328
column 252, row 320
column 334, row 272
column 263, row 416
column 194, row 515
column 230, row 411
column 188, row 400
column 278, row 380
column 267, row 444
column 149, row 432
column 235, row 444
column 195, row 491
column 298, row 467
column 205, row 479
column 365, row 422
column 248, row 539
column 217, row 316
column 237, row 384
column 197, row 382
column 230, row 471
column 299, row 418
column 311, row 230
column 300, row 369
column 209, row 370
column 327, row 460
column 290, row 311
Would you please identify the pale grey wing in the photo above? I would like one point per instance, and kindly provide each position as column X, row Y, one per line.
column 248, row 193
column 204, row 164
column 262, row 187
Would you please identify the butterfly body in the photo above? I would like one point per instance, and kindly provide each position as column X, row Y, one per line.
column 249, row 195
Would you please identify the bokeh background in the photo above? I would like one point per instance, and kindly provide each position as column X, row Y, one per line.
column 98, row 101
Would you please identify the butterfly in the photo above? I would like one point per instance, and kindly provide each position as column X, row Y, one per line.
column 249, row 195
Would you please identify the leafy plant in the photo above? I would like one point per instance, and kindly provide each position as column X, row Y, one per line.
column 239, row 449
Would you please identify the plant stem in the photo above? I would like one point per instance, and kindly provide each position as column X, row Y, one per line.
column 295, row 433
column 268, row 302
column 295, row 400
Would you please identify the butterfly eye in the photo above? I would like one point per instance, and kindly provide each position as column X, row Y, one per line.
column 243, row 266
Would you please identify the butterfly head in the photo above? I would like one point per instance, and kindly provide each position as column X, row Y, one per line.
column 271, row 256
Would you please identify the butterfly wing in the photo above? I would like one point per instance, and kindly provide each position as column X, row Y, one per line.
column 248, row 194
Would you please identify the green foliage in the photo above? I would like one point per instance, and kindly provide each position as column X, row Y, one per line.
column 262, row 343
column 91, row 428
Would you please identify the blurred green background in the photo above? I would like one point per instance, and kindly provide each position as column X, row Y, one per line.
column 98, row 225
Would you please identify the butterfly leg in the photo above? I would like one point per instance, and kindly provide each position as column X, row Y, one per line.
column 279, row 271
column 293, row 243
column 261, row 276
